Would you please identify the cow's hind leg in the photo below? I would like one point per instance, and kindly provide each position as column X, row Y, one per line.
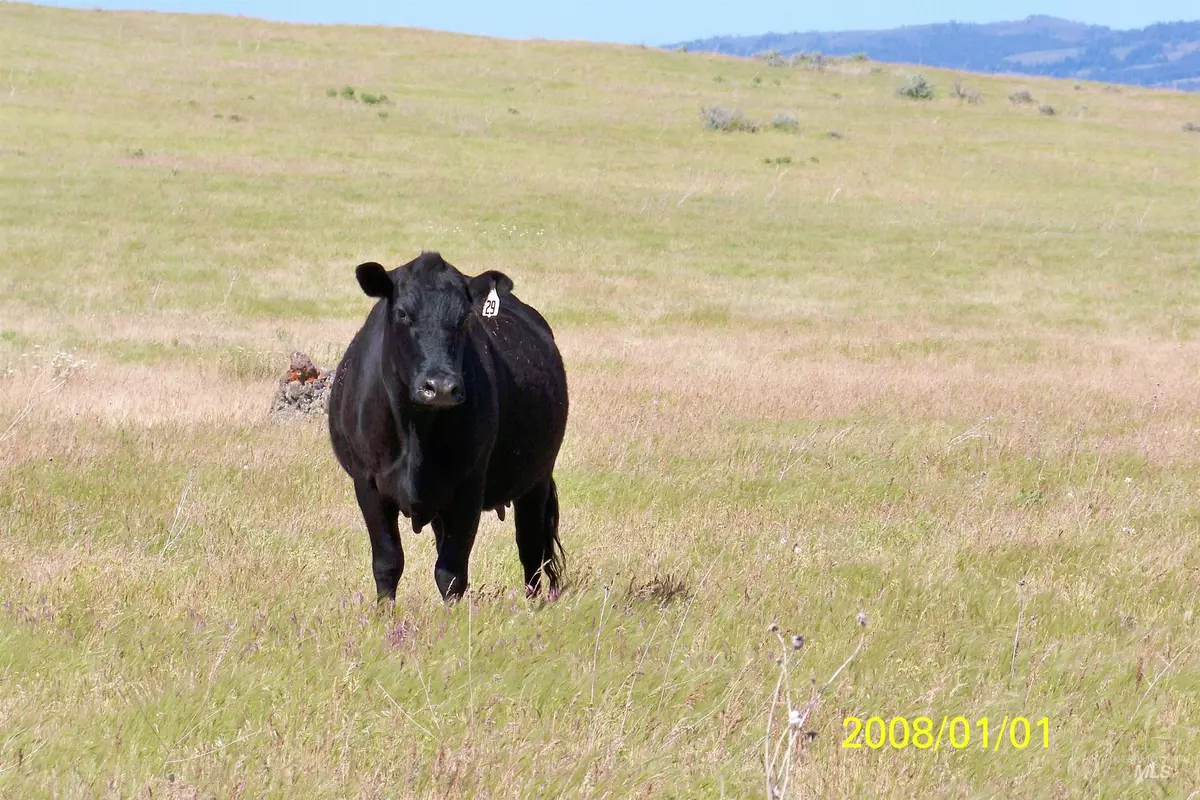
column 387, row 554
column 536, row 514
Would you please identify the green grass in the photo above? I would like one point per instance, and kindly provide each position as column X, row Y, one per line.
column 942, row 371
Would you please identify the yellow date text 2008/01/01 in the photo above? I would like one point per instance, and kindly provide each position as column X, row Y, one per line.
column 1015, row 733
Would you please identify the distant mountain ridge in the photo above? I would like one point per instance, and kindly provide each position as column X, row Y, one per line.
column 1163, row 55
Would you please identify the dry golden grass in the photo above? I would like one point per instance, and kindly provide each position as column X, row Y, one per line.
column 942, row 371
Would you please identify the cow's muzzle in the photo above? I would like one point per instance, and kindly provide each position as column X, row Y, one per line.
column 441, row 391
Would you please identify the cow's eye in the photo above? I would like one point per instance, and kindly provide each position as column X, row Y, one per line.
column 402, row 316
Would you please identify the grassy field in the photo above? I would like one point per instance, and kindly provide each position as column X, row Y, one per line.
column 942, row 370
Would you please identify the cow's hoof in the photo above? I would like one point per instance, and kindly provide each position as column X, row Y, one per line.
column 451, row 586
column 536, row 591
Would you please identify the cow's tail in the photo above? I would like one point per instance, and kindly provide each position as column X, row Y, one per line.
column 556, row 559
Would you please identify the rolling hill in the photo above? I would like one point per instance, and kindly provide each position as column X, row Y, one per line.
column 1163, row 55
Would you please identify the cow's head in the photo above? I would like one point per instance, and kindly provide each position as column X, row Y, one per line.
column 430, row 306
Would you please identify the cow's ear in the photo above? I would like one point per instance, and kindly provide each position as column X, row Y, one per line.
column 481, row 285
column 374, row 280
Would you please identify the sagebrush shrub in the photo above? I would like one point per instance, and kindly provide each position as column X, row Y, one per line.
column 772, row 58
column 1021, row 97
column 917, row 88
column 718, row 118
column 961, row 91
column 785, row 122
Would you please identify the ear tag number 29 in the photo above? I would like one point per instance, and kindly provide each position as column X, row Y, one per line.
column 491, row 306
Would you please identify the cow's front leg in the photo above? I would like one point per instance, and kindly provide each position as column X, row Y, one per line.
column 458, row 525
column 387, row 555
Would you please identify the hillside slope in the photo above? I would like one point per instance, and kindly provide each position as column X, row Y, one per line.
column 941, row 369
column 1164, row 55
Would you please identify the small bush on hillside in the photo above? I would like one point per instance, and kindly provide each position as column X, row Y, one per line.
column 718, row 118
column 755, row 81
column 859, row 57
column 917, row 88
column 772, row 58
column 718, row 79
column 1021, row 97
column 960, row 91
column 350, row 93
column 779, row 160
column 799, row 58
column 1191, row 127
column 1045, row 109
column 834, row 134
column 785, row 122
column 682, row 48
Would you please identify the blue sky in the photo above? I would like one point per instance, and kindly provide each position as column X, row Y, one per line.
column 650, row 22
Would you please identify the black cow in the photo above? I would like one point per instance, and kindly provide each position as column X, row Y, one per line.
column 445, row 405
